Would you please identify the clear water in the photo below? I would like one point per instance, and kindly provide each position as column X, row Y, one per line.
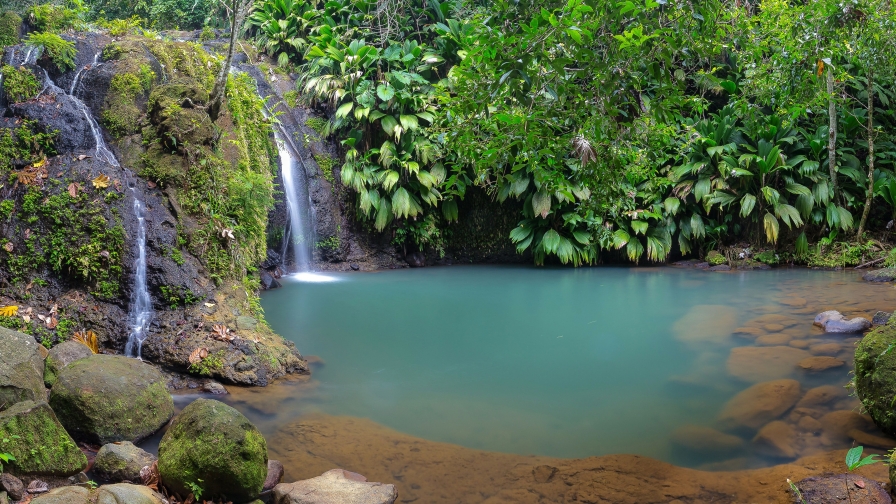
column 559, row 362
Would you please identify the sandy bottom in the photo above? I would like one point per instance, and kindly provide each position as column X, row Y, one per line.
column 430, row 472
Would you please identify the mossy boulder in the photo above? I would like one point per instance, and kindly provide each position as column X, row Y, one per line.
column 21, row 369
column 10, row 24
column 880, row 275
column 121, row 462
column 714, row 258
column 212, row 442
column 31, row 433
column 875, row 375
column 124, row 493
column 177, row 110
column 61, row 356
column 108, row 398
column 64, row 495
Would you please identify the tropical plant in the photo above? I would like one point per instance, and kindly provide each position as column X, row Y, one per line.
column 60, row 51
column 282, row 27
column 5, row 458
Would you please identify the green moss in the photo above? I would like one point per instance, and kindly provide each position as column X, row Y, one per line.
column 291, row 98
column 10, row 22
column 326, row 164
column 320, row 126
column 714, row 258
column 768, row 257
column 178, row 296
column 20, row 84
column 211, row 364
column 213, row 442
column 31, row 433
column 120, row 114
column 875, row 376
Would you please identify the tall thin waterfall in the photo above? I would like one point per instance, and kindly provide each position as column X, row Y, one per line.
column 77, row 79
column 140, row 313
column 299, row 232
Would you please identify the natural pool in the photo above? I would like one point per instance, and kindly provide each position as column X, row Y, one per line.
column 570, row 362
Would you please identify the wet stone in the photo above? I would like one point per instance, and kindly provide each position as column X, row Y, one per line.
column 820, row 363
column 760, row 404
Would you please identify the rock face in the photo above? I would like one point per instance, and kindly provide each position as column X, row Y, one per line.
column 107, row 398
column 21, row 369
column 64, row 495
column 62, row 355
column 123, row 493
column 830, row 490
column 63, row 114
column 213, row 442
column 38, row 442
column 760, row 404
column 336, row 486
column 833, row 322
column 121, row 462
column 880, row 318
column 880, row 275
column 875, row 376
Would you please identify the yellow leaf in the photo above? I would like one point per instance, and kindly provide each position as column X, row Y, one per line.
column 101, row 181
column 9, row 311
column 88, row 338
column 39, row 163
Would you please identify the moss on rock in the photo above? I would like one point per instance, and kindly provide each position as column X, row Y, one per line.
column 715, row 258
column 108, row 398
column 875, row 375
column 215, row 446
column 31, row 433
column 19, row 84
column 10, row 22
column 21, row 369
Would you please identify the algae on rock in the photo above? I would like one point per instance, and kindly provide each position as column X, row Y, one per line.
column 875, row 375
column 41, row 446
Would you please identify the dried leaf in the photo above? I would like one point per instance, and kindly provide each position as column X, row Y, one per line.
column 9, row 311
column 73, row 189
column 54, row 309
column 197, row 355
column 209, row 305
column 150, row 476
column 37, row 486
column 8, row 246
column 101, row 181
column 82, row 157
column 52, row 323
column 88, row 338
column 26, row 177
column 117, row 184
column 860, row 483
column 221, row 332
column 150, row 184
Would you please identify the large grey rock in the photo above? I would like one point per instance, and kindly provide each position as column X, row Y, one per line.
column 64, row 495
column 212, row 442
column 108, row 398
column 833, row 321
column 38, row 442
column 880, row 275
column 880, row 318
column 124, row 493
column 336, row 486
column 21, row 369
column 60, row 112
column 13, row 486
column 121, row 462
column 62, row 355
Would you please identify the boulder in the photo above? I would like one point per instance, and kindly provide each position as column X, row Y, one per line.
column 880, row 275
column 39, row 443
column 880, row 318
column 62, row 355
column 123, row 493
column 822, row 318
column 821, row 396
column 705, row 440
column 275, row 475
column 212, row 442
column 838, row 424
column 776, row 439
column 830, row 490
column 875, row 376
column 60, row 112
column 843, row 326
column 108, row 398
column 336, row 486
column 64, row 495
column 21, row 369
column 12, row 486
column 760, row 404
column 757, row 364
column 819, row 363
column 121, row 462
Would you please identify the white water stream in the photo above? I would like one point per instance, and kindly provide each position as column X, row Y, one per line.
column 296, row 234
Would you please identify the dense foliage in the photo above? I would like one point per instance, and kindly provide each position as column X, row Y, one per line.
column 650, row 127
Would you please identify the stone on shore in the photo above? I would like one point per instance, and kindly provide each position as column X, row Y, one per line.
column 12, row 486
column 833, row 321
column 39, row 443
column 336, row 486
column 64, row 495
column 212, row 442
column 880, row 275
column 842, row 488
column 121, row 462
column 21, row 369
column 106, row 398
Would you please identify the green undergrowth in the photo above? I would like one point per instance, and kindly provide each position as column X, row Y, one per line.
column 9, row 28
column 22, row 146
column 20, row 84
column 60, row 51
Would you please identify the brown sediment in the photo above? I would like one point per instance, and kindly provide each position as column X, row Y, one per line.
column 440, row 473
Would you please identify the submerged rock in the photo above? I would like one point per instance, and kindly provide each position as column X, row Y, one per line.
column 820, row 363
column 821, row 396
column 64, row 495
column 123, row 493
column 706, row 324
column 875, row 376
column 336, row 486
column 107, row 398
column 38, row 442
column 880, row 275
column 21, row 369
column 213, row 442
column 760, row 404
column 756, row 364
column 121, row 462
column 842, row 488
column 705, row 440
column 776, row 439
column 62, row 355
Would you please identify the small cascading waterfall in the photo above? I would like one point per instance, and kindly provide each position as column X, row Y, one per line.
column 299, row 233
column 140, row 312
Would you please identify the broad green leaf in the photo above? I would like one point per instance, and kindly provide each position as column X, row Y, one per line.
column 408, row 122
column 771, row 227
column 390, row 178
column 344, row 109
column 620, row 238
column 520, row 233
column 438, row 171
column 383, row 214
column 789, row 215
column 565, row 250
column 672, row 205
column 639, row 227
column 519, row 185
column 582, row 237
column 541, row 204
column 550, row 241
column 385, row 92
column 746, row 205
column 449, row 210
column 401, row 203
column 853, row 456
column 697, row 228
column 635, row 250
column 389, row 123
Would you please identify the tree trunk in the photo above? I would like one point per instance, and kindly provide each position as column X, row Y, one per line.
column 832, row 131
column 236, row 22
column 869, row 195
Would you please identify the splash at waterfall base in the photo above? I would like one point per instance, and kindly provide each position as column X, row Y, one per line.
column 68, row 234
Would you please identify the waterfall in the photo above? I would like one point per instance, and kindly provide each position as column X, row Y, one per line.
column 140, row 313
column 77, row 79
column 299, row 232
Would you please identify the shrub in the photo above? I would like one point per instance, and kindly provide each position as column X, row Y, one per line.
column 9, row 28
column 20, row 84
column 61, row 52
column 54, row 18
